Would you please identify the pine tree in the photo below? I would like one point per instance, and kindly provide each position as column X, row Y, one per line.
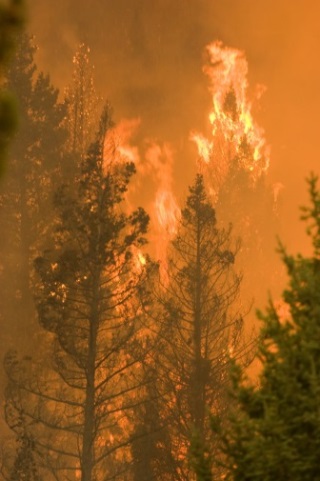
column 147, row 449
column 274, row 431
column 237, row 174
column 35, row 165
column 152, row 457
column 203, row 324
column 87, row 298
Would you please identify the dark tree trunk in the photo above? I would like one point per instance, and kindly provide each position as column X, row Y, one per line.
column 89, row 429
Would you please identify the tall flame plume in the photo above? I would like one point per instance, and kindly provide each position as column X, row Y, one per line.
column 234, row 133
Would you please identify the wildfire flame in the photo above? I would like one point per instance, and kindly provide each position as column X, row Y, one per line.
column 204, row 146
column 154, row 167
column 117, row 144
column 158, row 166
column 139, row 260
column 234, row 132
column 167, row 212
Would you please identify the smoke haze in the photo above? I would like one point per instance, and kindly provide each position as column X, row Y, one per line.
column 148, row 58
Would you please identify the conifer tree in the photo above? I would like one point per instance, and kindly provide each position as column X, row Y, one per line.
column 87, row 300
column 34, row 169
column 203, row 325
column 152, row 457
column 237, row 173
column 274, row 431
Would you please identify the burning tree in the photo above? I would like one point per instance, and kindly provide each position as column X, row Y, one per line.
column 235, row 140
column 234, row 157
column 203, row 325
column 86, row 297
column 152, row 457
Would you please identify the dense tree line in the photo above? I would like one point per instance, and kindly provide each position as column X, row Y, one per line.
column 107, row 325
column 128, row 367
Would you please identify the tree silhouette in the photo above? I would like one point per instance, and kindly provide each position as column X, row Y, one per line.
column 35, row 165
column 87, row 300
column 203, row 325
column 273, row 431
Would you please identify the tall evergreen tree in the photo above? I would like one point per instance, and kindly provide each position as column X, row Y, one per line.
column 274, row 431
column 35, row 163
column 237, row 174
column 203, row 325
column 152, row 457
column 87, row 298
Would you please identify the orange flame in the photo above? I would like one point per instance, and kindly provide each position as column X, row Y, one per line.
column 140, row 260
column 204, row 146
column 156, row 167
column 158, row 163
column 167, row 212
column 234, row 132
column 117, row 144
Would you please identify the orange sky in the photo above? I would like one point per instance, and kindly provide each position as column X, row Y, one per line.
column 149, row 54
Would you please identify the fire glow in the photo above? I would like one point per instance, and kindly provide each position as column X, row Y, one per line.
column 234, row 134
column 167, row 211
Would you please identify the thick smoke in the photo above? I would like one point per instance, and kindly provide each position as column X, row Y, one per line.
column 149, row 57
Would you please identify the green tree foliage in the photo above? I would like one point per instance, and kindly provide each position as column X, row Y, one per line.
column 35, row 165
column 87, row 300
column 11, row 20
column 274, row 431
column 202, row 325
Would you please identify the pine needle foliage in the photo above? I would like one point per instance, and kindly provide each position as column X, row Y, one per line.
column 274, row 430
